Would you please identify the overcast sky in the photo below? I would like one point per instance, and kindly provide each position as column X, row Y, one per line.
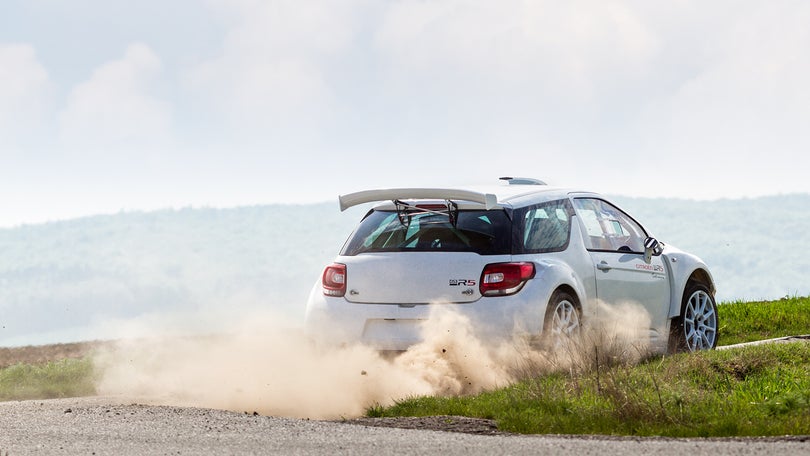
column 109, row 105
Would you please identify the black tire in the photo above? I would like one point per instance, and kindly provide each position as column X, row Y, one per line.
column 696, row 327
column 563, row 320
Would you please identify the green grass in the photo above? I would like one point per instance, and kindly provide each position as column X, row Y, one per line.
column 750, row 321
column 751, row 391
column 65, row 378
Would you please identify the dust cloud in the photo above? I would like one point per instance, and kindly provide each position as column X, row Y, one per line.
column 255, row 367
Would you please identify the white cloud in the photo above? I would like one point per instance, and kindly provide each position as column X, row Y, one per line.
column 560, row 50
column 116, row 106
column 24, row 93
column 685, row 98
column 274, row 61
column 712, row 95
column 737, row 123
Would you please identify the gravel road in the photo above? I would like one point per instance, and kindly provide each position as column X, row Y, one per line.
column 98, row 426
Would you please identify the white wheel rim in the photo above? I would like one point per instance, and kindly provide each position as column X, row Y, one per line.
column 565, row 322
column 700, row 321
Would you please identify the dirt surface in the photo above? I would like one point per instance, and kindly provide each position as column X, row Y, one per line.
column 110, row 425
column 444, row 423
column 480, row 426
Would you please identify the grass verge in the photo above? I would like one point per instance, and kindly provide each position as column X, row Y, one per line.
column 64, row 378
column 750, row 321
column 750, row 391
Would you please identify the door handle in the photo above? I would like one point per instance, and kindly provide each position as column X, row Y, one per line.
column 603, row 266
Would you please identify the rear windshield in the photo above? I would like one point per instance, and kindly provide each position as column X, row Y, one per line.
column 482, row 232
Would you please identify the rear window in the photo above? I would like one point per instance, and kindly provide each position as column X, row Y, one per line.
column 482, row 232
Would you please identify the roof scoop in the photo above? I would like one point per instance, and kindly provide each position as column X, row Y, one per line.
column 522, row 181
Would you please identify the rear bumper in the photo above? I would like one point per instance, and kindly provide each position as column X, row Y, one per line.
column 336, row 321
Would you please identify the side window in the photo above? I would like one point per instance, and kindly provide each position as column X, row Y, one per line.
column 608, row 228
column 546, row 227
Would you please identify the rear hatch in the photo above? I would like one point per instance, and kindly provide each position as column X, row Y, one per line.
column 415, row 277
column 421, row 254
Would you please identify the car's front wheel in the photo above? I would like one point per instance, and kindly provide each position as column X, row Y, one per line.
column 562, row 322
column 696, row 328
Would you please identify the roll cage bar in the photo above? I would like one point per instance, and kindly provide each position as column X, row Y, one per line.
column 405, row 211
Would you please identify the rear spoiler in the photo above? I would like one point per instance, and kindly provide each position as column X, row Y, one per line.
column 353, row 199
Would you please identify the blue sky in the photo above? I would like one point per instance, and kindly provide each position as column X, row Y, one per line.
column 119, row 105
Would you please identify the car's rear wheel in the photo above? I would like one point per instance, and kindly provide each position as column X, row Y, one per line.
column 562, row 321
column 696, row 328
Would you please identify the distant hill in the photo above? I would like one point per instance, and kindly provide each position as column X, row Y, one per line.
column 63, row 281
column 67, row 281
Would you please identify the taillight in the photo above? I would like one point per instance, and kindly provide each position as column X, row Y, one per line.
column 334, row 280
column 501, row 279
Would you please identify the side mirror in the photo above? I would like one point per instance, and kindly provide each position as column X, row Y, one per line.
column 652, row 248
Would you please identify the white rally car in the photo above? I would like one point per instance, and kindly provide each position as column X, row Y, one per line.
column 520, row 257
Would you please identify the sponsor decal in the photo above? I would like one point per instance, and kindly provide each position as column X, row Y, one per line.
column 462, row 282
column 650, row 267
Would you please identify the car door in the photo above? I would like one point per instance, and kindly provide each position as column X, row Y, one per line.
column 615, row 243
